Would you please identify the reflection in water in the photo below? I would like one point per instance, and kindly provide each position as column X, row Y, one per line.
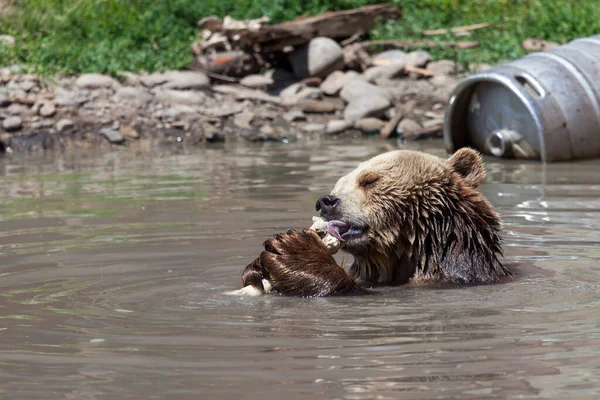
column 113, row 266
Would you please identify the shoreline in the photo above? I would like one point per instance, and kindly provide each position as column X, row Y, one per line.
column 97, row 111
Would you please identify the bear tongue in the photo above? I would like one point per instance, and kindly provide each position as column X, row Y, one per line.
column 337, row 229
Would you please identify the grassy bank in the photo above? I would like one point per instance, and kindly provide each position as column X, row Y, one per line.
column 71, row 36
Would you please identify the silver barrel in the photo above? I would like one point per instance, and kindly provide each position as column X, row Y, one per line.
column 543, row 106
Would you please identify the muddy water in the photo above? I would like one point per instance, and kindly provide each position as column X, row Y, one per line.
column 113, row 266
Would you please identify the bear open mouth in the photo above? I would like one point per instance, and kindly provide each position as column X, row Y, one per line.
column 343, row 231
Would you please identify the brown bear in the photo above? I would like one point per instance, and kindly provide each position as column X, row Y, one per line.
column 405, row 216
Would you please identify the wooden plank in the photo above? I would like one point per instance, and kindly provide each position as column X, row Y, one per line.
column 457, row 30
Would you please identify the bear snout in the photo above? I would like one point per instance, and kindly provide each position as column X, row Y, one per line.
column 327, row 204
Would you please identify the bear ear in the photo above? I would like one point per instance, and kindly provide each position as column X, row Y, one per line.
column 469, row 165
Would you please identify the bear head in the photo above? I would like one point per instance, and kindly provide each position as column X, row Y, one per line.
column 411, row 216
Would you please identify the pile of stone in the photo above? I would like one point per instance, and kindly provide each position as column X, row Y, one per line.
column 318, row 91
column 318, row 97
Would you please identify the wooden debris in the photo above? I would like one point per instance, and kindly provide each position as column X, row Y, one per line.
column 312, row 81
column 243, row 93
column 457, row 30
column 390, row 127
column 420, row 71
column 352, row 39
column 319, row 106
column 433, row 131
column 392, row 124
column 532, row 44
column 220, row 77
column 433, row 32
column 356, row 56
column 221, row 112
column 336, row 25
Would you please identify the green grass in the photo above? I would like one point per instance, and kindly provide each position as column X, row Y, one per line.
column 73, row 36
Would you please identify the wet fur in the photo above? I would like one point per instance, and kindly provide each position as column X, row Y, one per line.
column 299, row 264
column 425, row 221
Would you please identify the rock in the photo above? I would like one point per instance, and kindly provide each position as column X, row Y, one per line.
column 96, row 81
column 257, row 81
column 16, row 108
column 319, row 57
column 293, row 116
column 304, row 94
column 14, row 69
column 129, row 78
column 290, row 91
column 267, row 130
column 366, row 106
column 27, row 85
column 29, row 77
column 390, row 113
column 17, row 94
column 129, row 131
column 7, row 40
column 243, row 120
column 180, row 97
column 320, row 106
column 12, row 123
column 431, row 122
column 444, row 67
column 473, row 67
column 389, row 57
column 64, row 124
column 532, row 44
column 443, row 81
column 183, row 80
column 308, row 93
column 4, row 100
column 47, row 110
column 359, row 88
column 174, row 112
column 390, row 71
column 418, row 58
column 153, row 80
column 133, row 95
column 46, row 123
column 335, row 81
column 370, row 125
column 67, row 98
column 5, row 139
column 337, row 126
column 311, row 128
column 186, row 80
column 407, row 126
column 112, row 135
column 13, row 85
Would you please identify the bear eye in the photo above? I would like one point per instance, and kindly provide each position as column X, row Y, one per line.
column 369, row 180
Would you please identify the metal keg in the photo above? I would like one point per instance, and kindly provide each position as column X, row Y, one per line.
column 544, row 106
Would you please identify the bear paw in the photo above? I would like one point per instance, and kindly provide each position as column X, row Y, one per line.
column 300, row 264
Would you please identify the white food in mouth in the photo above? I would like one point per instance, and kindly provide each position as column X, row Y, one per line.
column 320, row 226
